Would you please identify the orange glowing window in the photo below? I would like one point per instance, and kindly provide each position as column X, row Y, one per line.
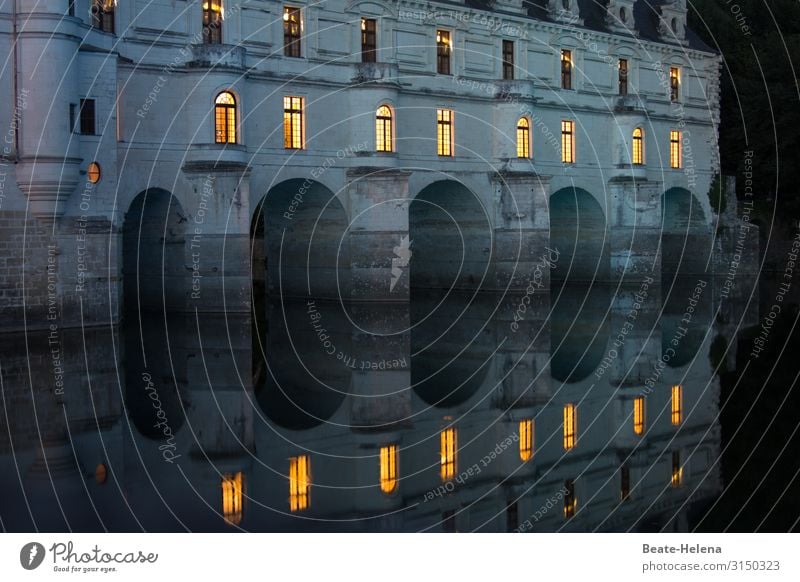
column 299, row 482
column 677, row 404
column 526, row 439
column 638, row 146
column 384, row 141
column 523, row 138
column 225, row 118
column 93, row 172
column 444, row 132
column 232, row 495
column 293, row 123
column 448, row 451
column 388, row 468
column 638, row 415
column 570, row 426
column 674, row 83
column 675, row 153
column 568, row 142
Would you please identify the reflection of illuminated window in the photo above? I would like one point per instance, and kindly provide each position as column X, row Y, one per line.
column 448, row 453
column 444, row 132
column 677, row 469
column 570, row 426
column 677, row 404
column 625, row 482
column 232, row 495
column 383, row 129
column 525, row 439
column 293, row 123
column 570, row 501
column 638, row 415
column 225, row 118
column 523, row 138
column 388, row 465
column 299, row 482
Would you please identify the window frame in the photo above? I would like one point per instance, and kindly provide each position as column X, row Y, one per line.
column 570, row 499
column 389, row 460
column 639, row 415
column 231, row 119
column 677, row 470
column 623, row 77
column 637, row 147
column 526, row 439
column 675, row 149
column 567, row 62
column 448, row 454
column 84, row 118
column 674, row 83
column 103, row 17
column 507, row 53
column 369, row 40
column 444, row 52
column 441, row 124
column 292, row 31
column 212, row 21
column 384, row 128
column 523, row 138
column 676, row 405
column 295, row 138
column 567, row 139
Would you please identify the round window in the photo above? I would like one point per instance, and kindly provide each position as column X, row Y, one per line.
column 93, row 172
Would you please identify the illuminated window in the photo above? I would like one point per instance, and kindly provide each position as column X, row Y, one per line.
column 566, row 69
column 443, row 49
column 388, row 465
column 570, row 501
column 570, row 426
column 675, row 154
column 212, row 21
column 625, row 483
column 444, row 132
column 623, row 76
column 101, row 474
column 232, row 494
column 369, row 43
column 448, row 453
column 508, row 59
column 638, row 146
column 292, row 29
column 674, row 83
column 93, row 173
column 568, row 142
column 677, row 469
column 293, row 123
column 225, row 118
column 526, row 439
column 299, row 482
column 523, row 138
column 638, row 415
column 103, row 14
column 383, row 129
column 677, row 404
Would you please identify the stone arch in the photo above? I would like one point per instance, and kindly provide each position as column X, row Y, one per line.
column 300, row 225
column 578, row 234
column 685, row 235
column 451, row 238
column 156, row 284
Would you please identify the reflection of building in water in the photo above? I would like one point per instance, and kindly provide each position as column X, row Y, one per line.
column 241, row 391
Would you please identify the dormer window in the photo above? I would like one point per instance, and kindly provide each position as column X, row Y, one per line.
column 566, row 69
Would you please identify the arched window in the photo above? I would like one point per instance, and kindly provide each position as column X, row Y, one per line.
column 225, row 118
column 523, row 138
column 384, row 139
column 638, row 146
